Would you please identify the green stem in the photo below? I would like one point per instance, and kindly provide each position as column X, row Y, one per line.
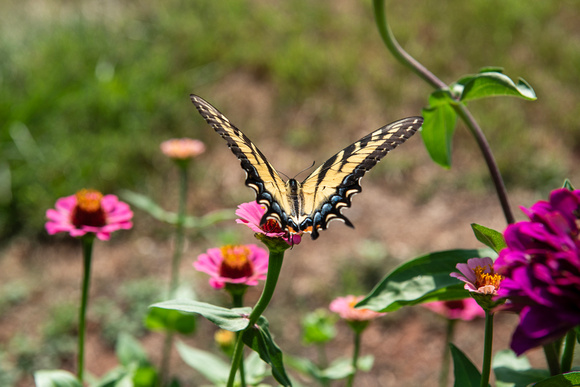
column 410, row 62
column 551, row 354
column 274, row 268
column 179, row 231
column 487, row 349
column 568, row 353
column 357, row 338
column 238, row 302
column 175, row 262
column 87, row 241
column 444, row 374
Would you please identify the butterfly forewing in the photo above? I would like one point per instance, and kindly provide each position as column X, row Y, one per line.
column 331, row 186
column 260, row 174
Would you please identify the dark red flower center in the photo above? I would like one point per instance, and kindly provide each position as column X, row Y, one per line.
column 271, row 226
column 88, row 211
column 236, row 262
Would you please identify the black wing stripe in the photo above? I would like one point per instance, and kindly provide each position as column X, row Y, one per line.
column 259, row 171
column 332, row 186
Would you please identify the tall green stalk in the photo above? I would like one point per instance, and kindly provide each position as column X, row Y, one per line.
column 175, row 262
column 410, row 62
column 238, row 302
column 487, row 349
column 87, row 242
column 355, row 355
column 444, row 373
column 274, row 267
column 568, row 354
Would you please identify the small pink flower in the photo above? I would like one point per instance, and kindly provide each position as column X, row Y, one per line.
column 241, row 264
column 466, row 309
column 182, row 148
column 479, row 276
column 344, row 306
column 251, row 214
column 88, row 211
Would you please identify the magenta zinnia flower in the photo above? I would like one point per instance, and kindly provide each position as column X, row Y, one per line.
column 466, row 309
column 88, row 211
column 251, row 214
column 541, row 264
column 182, row 148
column 344, row 306
column 241, row 264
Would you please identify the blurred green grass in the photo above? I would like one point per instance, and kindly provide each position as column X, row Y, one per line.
column 89, row 89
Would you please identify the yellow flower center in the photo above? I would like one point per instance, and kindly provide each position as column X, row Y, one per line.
column 88, row 211
column 487, row 283
column 236, row 262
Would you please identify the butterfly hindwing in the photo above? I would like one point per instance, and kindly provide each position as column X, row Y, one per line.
column 330, row 187
column 260, row 174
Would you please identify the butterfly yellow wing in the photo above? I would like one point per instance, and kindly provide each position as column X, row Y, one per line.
column 309, row 206
column 331, row 187
column 260, row 174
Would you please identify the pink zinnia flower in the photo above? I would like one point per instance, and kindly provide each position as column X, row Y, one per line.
column 251, row 214
column 479, row 276
column 182, row 148
column 88, row 211
column 241, row 264
column 466, row 309
column 344, row 306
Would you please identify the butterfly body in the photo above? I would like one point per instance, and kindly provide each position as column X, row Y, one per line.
column 309, row 205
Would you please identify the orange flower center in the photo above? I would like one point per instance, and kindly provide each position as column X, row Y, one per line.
column 487, row 283
column 88, row 211
column 236, row 263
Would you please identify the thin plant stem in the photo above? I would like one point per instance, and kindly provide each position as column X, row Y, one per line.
column 446, row 358
column 175, row 262
column 357, row 339
column 568, row 354
column 179, row 230
column 487, row 349
column 410, row 62
column 274, row 267
column 87, row 242
column 238, row 302
column 551, row 353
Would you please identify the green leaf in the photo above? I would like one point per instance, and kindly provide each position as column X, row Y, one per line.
column 438, row 127
column 146, row 204
column 118, row 377
column 568, row 185
column 423, row 279
column 465, row 373
column 260, row 340
column 55, row 378
column 129, row 351
column 229, row 319
column 491, row 84
column 489, row 237
column 318, row 327
column 342, row 367
column 209, row 365
column 169, row 320
column 513, row 371
column 564, row 380
column 255, row 369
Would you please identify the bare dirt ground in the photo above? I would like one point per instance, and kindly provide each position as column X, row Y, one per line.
column 406, row 344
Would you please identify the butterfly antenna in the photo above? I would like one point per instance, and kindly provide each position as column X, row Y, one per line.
column 305, row 169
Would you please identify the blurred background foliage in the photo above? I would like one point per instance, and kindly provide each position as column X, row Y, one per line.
column 89, row 89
